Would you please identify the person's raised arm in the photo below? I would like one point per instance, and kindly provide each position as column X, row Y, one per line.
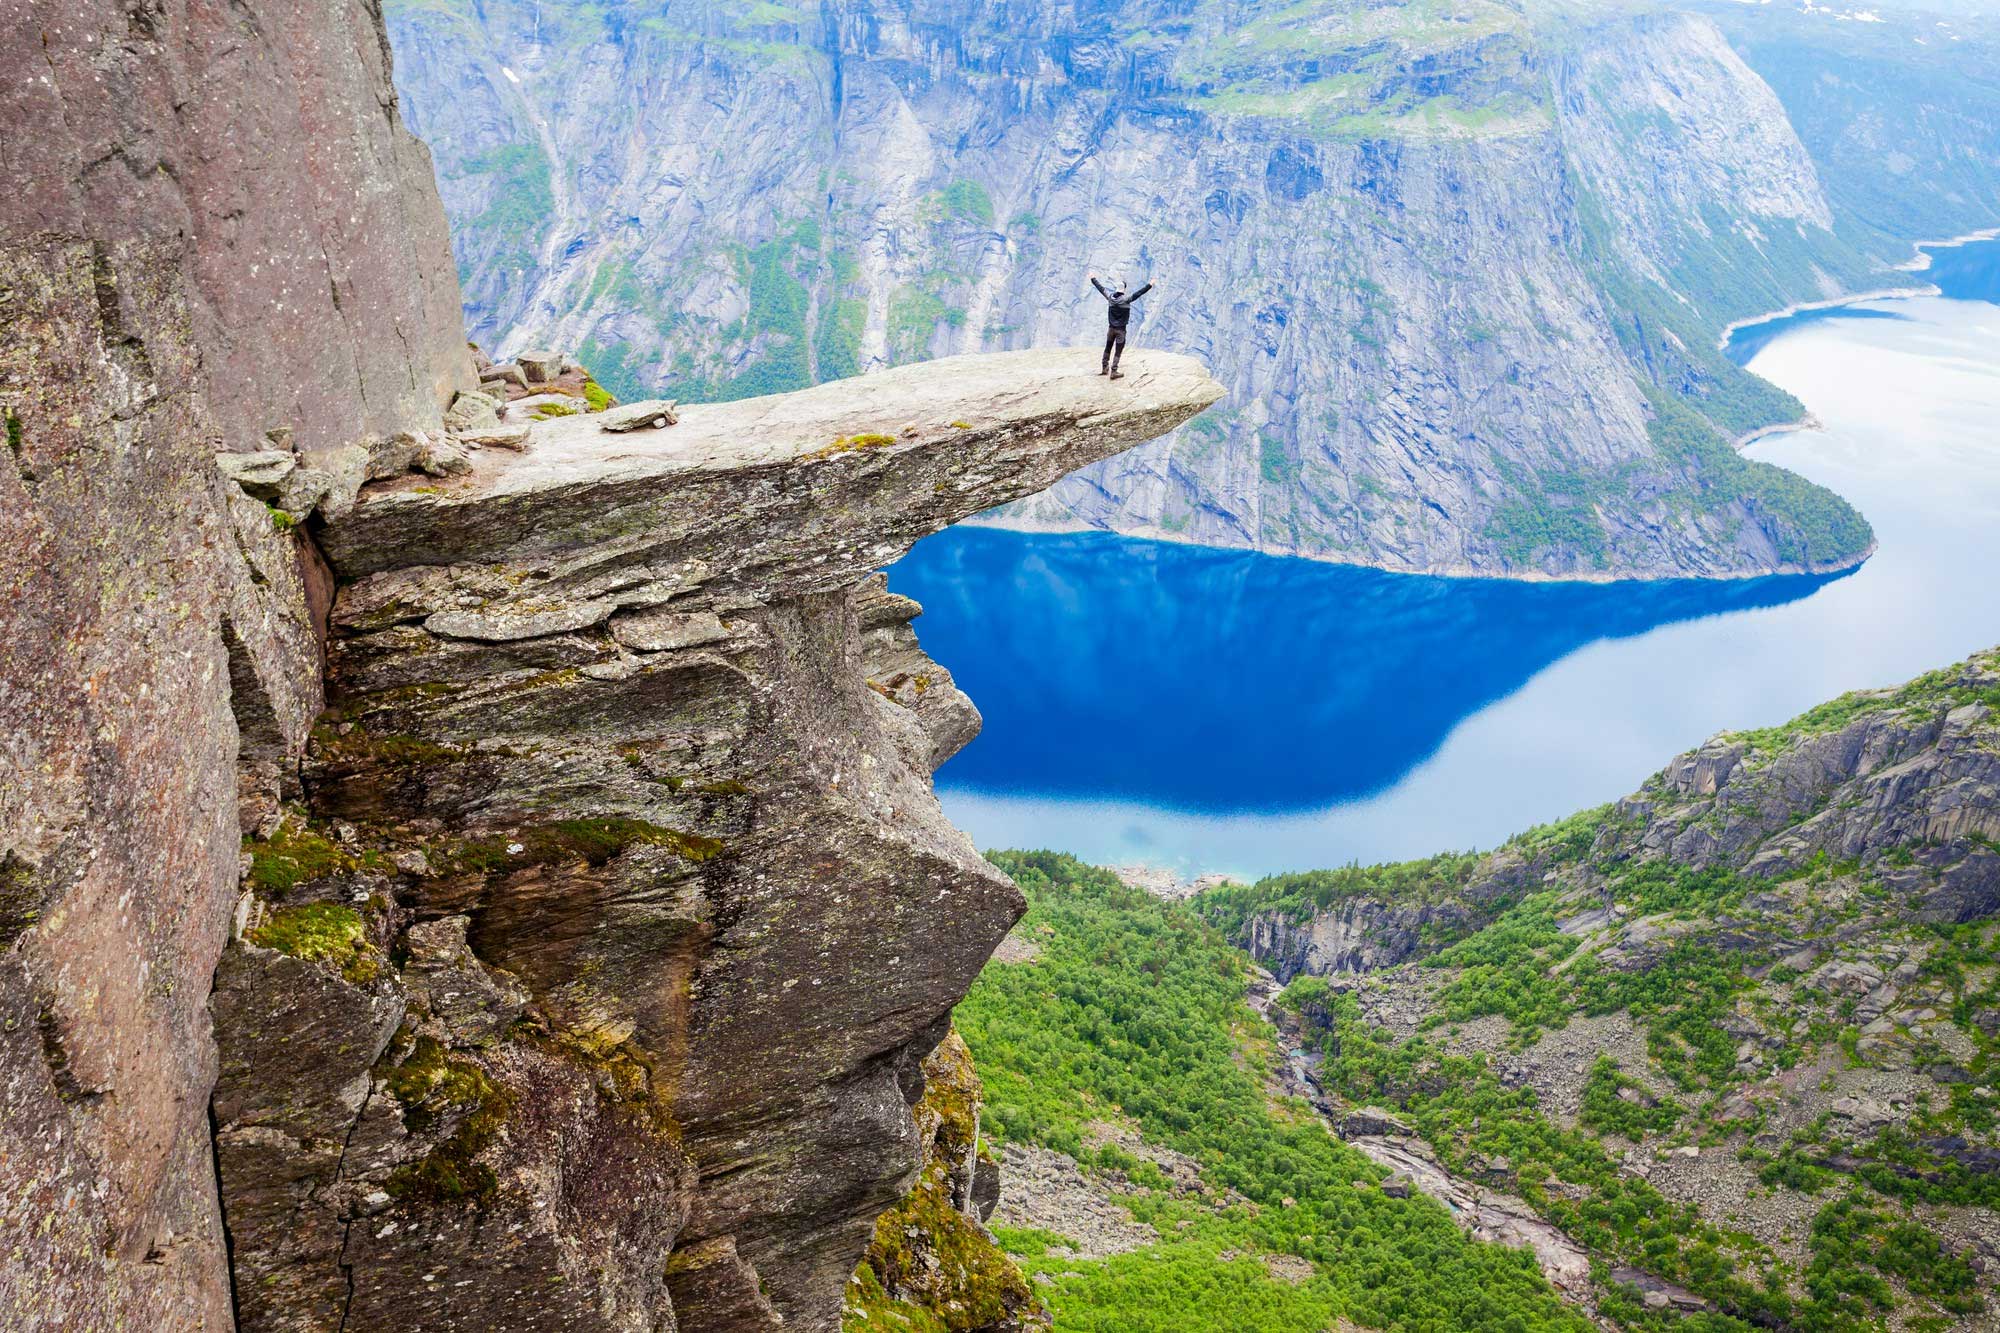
column 1141, row 292
column 1100, row 287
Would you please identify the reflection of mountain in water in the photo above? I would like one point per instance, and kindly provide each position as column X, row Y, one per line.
column 1217, row 681
column 1969, row 272
column 1746, row 342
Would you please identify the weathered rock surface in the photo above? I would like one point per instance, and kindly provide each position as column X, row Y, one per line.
column 216, row 236
column 1361, row 935
column 577, row 977
column 931, row 1253
column 629, row 758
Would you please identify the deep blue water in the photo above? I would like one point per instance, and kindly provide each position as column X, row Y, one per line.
column 1966, row 272
column 1240, row 682
column 1217, row 710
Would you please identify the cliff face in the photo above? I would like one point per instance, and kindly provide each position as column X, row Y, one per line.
column 1760, row 990
column 1445, row 267
column 1901, row 115
column 215, row 226
column 619, row 917
column 576, row 969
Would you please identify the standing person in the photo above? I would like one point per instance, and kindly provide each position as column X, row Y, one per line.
column 1121, row 318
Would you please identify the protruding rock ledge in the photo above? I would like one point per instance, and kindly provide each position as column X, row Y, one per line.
column 808, row 489
column 632, row 718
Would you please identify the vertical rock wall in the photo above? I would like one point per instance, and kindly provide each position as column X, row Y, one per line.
column 214, row 226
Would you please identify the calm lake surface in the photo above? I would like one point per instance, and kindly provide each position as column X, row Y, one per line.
column 1204, row 710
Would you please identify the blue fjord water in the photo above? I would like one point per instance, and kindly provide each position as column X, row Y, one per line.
column 1205, row 710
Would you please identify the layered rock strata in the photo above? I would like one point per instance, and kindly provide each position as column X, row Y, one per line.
column 619, row 917
column 584, row 957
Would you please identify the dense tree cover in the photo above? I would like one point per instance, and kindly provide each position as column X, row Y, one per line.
column 1458, row 1104
column 1136, row 1009
column 1811, row 525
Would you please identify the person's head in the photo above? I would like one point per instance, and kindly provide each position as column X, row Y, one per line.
column 1117, row 293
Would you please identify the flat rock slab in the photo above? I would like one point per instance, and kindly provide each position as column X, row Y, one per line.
column 866, row 465
column 652, row 413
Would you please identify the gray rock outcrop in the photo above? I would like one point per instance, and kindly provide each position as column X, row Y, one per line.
column 217, row 236
column 634, row 712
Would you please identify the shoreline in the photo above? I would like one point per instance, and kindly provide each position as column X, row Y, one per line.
column 1734, row 327
column 1045, row 528
column 1916, row 263
column 1810, row 421
column 1922, row 259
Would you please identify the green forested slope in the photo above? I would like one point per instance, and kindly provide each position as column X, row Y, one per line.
column 1737, row 1037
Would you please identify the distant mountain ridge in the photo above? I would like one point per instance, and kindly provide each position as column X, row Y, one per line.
column 1462, row 266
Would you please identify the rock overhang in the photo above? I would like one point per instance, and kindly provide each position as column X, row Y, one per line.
column 853, row 471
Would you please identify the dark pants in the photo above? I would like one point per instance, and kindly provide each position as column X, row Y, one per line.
column 1114, row 347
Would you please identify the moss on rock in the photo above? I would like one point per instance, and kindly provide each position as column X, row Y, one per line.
column 433, row 1087
column 592, row 841
column 297, row 854
column 322, row 933
column 931, row 1265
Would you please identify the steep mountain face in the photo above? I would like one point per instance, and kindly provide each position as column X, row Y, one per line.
column 1755, row 1001
column 215, row 227
column 577, row 969
column 1901, row 113
column 1462, row 270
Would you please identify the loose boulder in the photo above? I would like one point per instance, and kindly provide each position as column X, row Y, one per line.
column 540, row 367
column 647, row 415
column 472, row 411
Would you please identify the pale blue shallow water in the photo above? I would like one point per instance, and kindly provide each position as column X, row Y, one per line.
column 1211, row 710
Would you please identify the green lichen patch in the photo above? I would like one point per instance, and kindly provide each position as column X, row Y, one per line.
column 870, row 1309
column 359, row 747
column 545, row 411
column 929, row 1265
column 433, row 1086
column 851, row 444
column 597, row 396
column 592, row 841
column 322, row 933
column 20, row 899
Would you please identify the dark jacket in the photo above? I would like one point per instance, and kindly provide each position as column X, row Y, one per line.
column 1121, row 306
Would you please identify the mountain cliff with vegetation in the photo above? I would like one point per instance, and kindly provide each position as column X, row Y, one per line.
column 1462, row 266
column 1718, row 1057
column 463, row 862
column 1724, row 1050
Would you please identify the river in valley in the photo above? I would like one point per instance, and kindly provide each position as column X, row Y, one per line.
column 1202, row 710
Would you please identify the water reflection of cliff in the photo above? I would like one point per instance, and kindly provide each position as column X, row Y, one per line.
column 1192, row 678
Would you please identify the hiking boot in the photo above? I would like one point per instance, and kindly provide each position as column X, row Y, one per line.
column 1117, row 374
